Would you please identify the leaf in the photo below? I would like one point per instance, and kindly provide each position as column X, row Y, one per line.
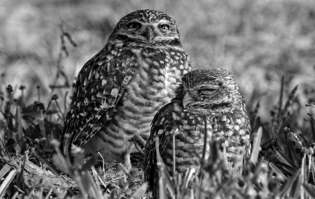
column 291, row 182
column 164, row 178
column 139, row 193
column 4, row 170
column 6, row 182
column 309, row 189
column 256, row 146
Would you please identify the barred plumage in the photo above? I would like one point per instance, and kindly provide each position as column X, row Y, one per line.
column 207, row 103
column 120, row 89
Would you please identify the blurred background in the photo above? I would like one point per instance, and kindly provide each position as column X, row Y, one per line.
column 259, row 41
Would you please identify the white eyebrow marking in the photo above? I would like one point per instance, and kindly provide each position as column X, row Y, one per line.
column 164, row 21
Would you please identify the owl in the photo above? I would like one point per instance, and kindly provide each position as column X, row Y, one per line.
column 207, row 108
column 120, row 89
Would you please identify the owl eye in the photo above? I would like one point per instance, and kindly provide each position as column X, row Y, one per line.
column 164, row 26
column 207, row 90
column 134, row 25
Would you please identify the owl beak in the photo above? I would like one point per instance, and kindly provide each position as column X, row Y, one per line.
column 149, row 33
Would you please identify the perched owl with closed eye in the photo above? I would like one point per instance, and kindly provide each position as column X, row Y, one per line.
column 208, row 108
column 119, row 90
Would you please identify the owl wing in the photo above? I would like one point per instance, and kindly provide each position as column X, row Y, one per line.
column 99, row 88
column 165, row 124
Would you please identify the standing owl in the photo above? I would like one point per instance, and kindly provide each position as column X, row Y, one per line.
column 119, row 90
column 208, row 107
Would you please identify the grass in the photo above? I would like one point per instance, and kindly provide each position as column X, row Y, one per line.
column 281, row 164
column 268, row 45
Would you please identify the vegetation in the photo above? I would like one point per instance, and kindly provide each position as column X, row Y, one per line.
column 268, row 45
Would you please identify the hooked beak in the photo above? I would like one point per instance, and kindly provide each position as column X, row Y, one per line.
column 149, row 33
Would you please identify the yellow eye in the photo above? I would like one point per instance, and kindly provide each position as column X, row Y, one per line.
column 134, row 25
column 164, row 26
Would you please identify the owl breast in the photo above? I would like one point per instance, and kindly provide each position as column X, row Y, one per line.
column 143, row 99
column 152, row 86
column 190, row 142
column 229, row 130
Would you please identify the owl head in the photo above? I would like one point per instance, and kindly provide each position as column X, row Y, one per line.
column 210, row 90
column 147, row 27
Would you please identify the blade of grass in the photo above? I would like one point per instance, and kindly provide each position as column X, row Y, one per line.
column 49, row 194
column 256, row 146
column 280, row 98
column 290, row 99
column 205, row 142
column 6, row 183
column 312, row 124
column 4, row 170
column 309, row 189
column 164, row 178
column 140, row 192
column 302, row 177
column 287, row 187
column 174, row 152
column 161, row 168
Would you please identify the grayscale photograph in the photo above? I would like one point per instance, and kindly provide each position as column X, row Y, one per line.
column 157, row 99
